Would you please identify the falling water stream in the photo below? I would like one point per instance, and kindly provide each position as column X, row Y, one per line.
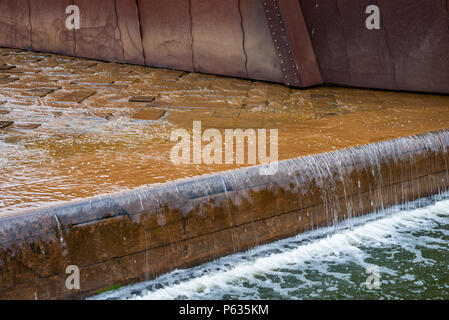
column 399, row 253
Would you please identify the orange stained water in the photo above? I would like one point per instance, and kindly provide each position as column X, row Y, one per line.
column 72, row 128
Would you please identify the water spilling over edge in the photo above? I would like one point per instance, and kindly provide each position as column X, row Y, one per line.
column 315, row 264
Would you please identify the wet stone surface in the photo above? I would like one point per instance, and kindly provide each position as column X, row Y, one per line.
column 72, row 128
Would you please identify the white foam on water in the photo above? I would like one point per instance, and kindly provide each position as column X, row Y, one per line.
column 308, row 258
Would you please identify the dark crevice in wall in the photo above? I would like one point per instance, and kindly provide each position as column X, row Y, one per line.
column 119, row 31
column 191, row 36
column 243, row 36
column 74, row 35
column 139, row 21
column 31, row 25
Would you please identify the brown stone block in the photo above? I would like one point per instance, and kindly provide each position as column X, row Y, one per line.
column 268, row 230
column 142, row 99
column 130, row 36
column 159, row 236
column 146, row 114
column 224, row 243
column 39, row 92
column 193, row 251
column 38, row 257
column 72, row 97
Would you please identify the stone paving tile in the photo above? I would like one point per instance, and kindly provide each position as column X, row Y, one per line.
column 146, row 114
column 27, row 126
column 40, row 92
column 73, row 97
column 142, row 99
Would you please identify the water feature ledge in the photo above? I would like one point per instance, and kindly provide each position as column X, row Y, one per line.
column 134, row 236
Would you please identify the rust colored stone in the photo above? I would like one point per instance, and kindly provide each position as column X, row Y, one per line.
column 74, row 96
column 146, row 114
column 39, row 92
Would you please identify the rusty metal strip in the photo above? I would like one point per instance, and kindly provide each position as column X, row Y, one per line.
column 300, row 42
column 281, row 43
column 292, row 43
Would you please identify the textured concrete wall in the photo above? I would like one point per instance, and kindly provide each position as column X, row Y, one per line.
column 134, row 236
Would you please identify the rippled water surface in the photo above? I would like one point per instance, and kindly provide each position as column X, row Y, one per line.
column 400, row 254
